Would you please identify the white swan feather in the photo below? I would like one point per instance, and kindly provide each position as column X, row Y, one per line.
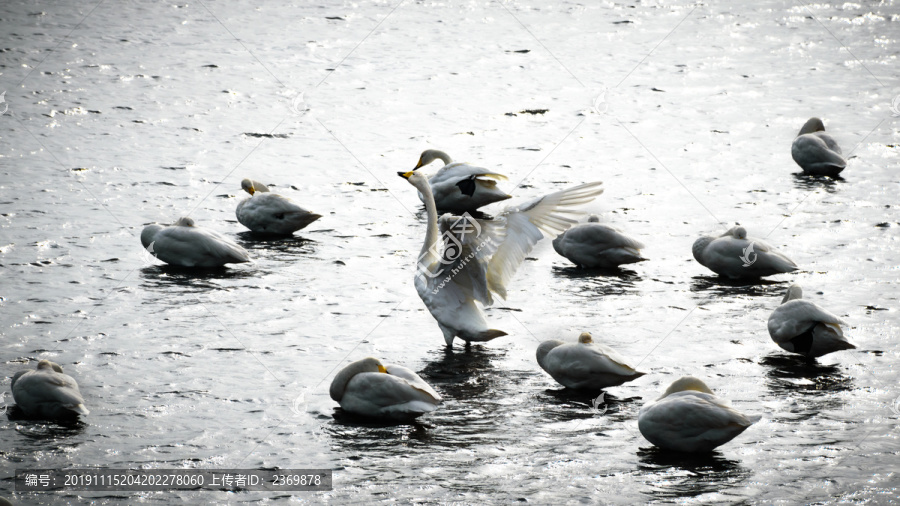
column 459, row 187
column 690, row 418
column 186, row 245
column 735, row 255
column 584, row 365
column 372, row 389
column 270, row 213
column 472, row 259
column 48, row 393
column 816, row 152
column 598, row 245
column 802, row 327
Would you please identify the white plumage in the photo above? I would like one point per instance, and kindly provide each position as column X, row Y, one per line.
column 185, row 245
column 370, row 388
column 802, row 327
column 595, row 244
column 816, row 152
column 735, row 255
column 473, row 259
column 459, row 187
column 584, row 365
column 269, row 213
column 48, row 393
column 690, row 418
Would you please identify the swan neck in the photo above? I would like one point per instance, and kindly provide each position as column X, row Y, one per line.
column 793, row 293
column 427, row 254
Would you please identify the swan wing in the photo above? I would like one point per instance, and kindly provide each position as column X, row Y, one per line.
column 795, row 317
column 586, row 360
column 193, row 246
column 515, row 231
column 453, row 172
column 273, row 213
column 814, row 152
column 41, row 391
column 600, row 236
column 414, row 380
column 380, row 394
column 689, row 421
column 829, row 142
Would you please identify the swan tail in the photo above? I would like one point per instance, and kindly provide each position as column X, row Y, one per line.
column 489, row 334
column 79, row 408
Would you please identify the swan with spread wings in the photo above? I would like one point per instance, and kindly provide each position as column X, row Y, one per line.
column 466, row 261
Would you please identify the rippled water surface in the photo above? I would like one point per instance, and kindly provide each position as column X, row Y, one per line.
column 126, row 113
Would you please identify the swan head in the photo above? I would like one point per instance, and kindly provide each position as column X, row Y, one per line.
column 415, row 178
column 738, row 232
column 685, row 383
column 430, row 155
column 794, row 292
column 593, row 218
column 339, row 384
column 148, row 234
column 252, row 187
column 812, row 125
column 184, row 221
column 46, row 364
column 585, row 338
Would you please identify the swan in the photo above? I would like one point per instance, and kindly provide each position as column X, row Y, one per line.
column 270, row 213
column 735, row 255
column 459, row 187
column 800, row 326
column 816, row 152
column 370, row 388
column 46, row 392
column 595, row 244
column 690, row 418
column 185, row 245
column 584, row 365
column 480, row 256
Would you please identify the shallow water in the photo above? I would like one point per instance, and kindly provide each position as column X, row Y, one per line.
column 146, row 112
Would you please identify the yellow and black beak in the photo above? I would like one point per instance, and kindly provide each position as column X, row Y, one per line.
column 418, row 165
column 406, row 175
column 381, row 368
column 251, row 190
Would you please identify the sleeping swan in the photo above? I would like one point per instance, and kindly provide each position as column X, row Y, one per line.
column 690, row 418
column 735, row 255
column 584, row 365
column 816, row 152
column 370, row 388
column 269, row 213
column 800, row 326
column 185, row 245
column 595, row 244
column 47, row 393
